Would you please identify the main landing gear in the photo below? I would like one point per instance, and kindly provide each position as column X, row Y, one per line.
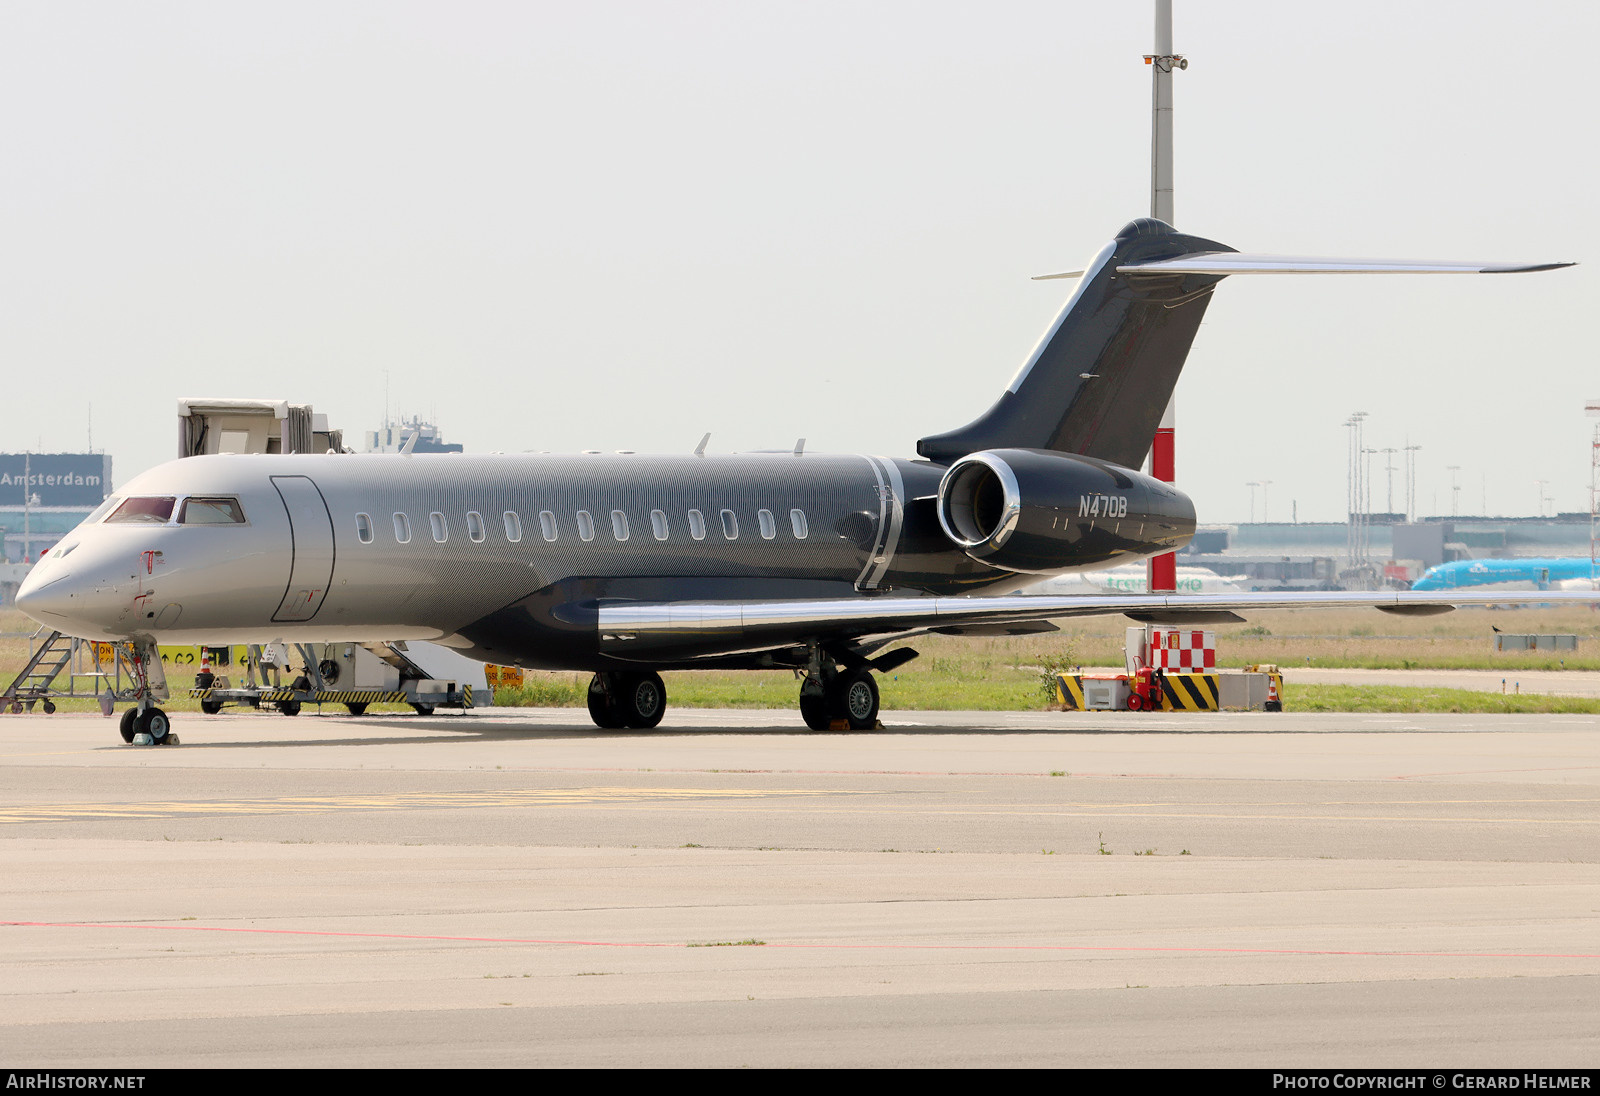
column 840, row 691
column 627, row 699
column 835, row 696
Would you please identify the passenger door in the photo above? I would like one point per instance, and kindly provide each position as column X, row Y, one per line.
column 311, row 530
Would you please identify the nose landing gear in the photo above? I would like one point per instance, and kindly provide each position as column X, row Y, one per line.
column 145, row 724
column 152, row 723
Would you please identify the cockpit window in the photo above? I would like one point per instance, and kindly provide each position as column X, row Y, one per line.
column 142, row 511
column 100, row 511
column 210, row 511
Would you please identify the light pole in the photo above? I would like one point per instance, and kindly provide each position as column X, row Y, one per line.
column 1455, row 489
column 1253, row 484
column 28, row 501
column 1366, row 509
column 1411, row 482
column 1353, row 539
column 1162, row 570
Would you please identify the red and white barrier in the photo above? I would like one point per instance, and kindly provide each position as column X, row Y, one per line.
column 1184, row 650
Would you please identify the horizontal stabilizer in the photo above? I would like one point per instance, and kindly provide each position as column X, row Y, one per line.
column 1235, row 262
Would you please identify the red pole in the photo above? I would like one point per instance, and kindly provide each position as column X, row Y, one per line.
column 1163, row 577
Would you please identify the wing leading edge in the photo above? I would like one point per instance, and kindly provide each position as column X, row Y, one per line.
column 748, row 624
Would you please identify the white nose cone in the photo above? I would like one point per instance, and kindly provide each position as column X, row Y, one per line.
column 46, row 597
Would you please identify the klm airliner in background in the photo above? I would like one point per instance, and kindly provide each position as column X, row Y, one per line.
column 1541, row 574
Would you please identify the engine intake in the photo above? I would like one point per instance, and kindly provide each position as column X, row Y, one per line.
column 1041, row 512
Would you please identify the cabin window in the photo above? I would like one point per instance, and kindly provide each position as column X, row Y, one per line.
column 730, row 525
column 585, row 525
column 474, row 527
column 402, row 529
column 513, row 526
column 142, row 511
column 547, row 524
column 364, row 528
column 619, row 525
column 769, row 528
column 436, row 523
column 210, row 511
column 797, row 519
column 658, row 524
column 697, row 525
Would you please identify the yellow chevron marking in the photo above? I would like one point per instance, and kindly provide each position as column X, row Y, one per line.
column 1191, row 692
column 1069, row 692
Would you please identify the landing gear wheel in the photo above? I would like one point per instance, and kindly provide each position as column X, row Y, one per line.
column 153, row 722
column 858, row 696
column 129, row 717
column 289, row 707
column 603, row 709
column 814, row 709
column 211, row 707
column 358, row 707
column 641, row 700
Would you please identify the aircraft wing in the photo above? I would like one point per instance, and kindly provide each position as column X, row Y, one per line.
column 750, row 624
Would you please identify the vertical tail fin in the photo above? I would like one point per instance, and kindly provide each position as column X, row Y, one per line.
column 1101, row 377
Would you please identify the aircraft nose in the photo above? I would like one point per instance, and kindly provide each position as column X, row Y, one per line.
column 46, row 598
column 62, row 600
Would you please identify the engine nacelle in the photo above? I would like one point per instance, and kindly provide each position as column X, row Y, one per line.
column 1041, row 512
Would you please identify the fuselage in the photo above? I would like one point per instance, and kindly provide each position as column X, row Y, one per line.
column 506, row 557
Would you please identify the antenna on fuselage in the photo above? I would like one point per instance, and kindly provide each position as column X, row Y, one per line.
column 411, row 442
column 700, row 450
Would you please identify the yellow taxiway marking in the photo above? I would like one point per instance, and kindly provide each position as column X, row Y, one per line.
column 313, row 804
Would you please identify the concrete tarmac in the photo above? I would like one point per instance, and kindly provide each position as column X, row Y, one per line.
column 516, row 888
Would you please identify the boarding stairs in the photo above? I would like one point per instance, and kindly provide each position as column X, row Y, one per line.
column 395, row 655
column 57, row 656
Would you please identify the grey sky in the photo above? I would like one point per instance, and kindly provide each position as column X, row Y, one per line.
column 618, row 225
